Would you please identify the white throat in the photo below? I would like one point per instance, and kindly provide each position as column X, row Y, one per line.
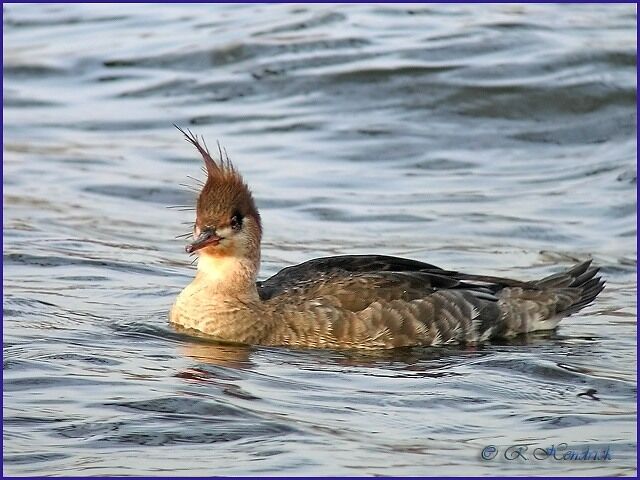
column 228, row 275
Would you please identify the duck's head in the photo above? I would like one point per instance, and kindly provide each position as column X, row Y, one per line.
column 227, row 220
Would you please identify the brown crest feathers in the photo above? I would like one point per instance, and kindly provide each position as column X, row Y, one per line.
column 224, row 190
column 222, row 166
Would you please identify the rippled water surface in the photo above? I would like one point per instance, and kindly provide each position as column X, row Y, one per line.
column 491, row 139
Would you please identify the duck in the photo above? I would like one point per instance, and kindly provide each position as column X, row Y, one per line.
column 348, row 301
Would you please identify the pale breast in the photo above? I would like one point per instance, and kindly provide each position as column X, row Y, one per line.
column 228, row 319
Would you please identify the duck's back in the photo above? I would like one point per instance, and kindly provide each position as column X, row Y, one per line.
column 372, row 301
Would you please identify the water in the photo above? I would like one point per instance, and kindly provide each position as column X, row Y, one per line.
column 495, row 139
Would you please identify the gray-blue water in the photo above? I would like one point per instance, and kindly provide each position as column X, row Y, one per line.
column 491, row 139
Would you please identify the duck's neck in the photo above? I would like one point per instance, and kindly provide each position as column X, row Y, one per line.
column 229, row 276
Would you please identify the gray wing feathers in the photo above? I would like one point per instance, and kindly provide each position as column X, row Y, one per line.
column 443, row 317
column 385, row 309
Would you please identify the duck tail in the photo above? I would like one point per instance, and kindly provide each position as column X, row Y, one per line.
column 546, row 302
column 582, row 277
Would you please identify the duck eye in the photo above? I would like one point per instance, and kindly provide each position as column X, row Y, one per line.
column 236, row 221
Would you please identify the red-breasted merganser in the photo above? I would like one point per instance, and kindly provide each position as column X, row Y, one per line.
column 351, row 301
